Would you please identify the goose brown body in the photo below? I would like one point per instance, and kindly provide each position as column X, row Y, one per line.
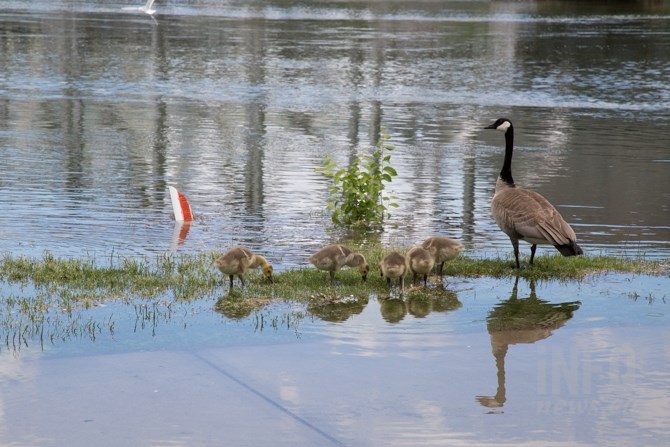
column 420, row 262
column 238, row 260
column 526, row 215
column 442, row 249
column 394, row 266
column 333, row 257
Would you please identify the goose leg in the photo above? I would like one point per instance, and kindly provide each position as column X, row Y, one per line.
column 440, row 268
column 231, row 282
column 402, row 283
column 515, row 244
column 332, row 277
column 425, row 280
column 532, row 253
column 241, row 279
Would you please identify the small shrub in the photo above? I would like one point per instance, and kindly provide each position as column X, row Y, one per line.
column 357, row 194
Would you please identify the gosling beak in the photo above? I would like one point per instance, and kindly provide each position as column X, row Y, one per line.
column 271, row 280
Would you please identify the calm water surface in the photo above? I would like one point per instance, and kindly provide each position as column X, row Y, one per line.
column 236, row 104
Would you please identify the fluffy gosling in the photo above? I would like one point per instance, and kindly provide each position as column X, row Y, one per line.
column 238, row 260
column 394, row 266
column 333, row 257
column 420, row 262
column 443, row 249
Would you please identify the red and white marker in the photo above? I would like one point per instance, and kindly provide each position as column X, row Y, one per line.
column 180, row 206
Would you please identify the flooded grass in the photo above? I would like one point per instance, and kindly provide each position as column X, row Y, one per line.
column 187, row 277
column 554, row 267
column 49, row 292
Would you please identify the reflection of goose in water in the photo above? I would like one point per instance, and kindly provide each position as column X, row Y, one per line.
column 393, row 309
column 439, row 300
column 419, row 305
column 337, row 310
column 525, row 320
column 239, row 308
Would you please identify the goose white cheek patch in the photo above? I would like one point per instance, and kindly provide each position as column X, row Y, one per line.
column 504, row 126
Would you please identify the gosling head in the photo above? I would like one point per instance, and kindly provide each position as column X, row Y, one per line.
column 501, row 124
column 267, row 271
column 266, row 267
column 364, row 268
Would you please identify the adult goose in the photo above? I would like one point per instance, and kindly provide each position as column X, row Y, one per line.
column 526, row 215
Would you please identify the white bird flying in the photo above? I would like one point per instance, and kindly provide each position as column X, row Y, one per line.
column 147, row 8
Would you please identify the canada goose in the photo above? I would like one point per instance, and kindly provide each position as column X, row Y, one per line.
column 526, row 215
column 237, row 260
column 394, row 266
column 333, row 257
column 443, row 249
column 420, row 262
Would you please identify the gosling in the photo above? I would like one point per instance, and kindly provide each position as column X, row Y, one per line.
column 443, row 249
column 394, row 266
column 238, row 260
column 420, row 262
column 333, row 257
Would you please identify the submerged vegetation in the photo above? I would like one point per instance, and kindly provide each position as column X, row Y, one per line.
column 41, row 298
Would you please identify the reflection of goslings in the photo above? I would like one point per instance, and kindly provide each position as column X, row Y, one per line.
column 419, row 305
column 393, row 309
column 339, row 310
column 515, row 321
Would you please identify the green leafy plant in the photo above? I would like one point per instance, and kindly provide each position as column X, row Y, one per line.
column 357, row 194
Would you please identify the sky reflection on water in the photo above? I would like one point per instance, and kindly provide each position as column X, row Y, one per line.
column 596, row 377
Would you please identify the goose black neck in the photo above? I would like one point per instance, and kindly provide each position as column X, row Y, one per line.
column 506, row 171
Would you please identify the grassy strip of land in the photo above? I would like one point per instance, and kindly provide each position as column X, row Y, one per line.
column 186, row 277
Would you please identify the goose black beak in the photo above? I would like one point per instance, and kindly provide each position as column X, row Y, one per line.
column 492, row 126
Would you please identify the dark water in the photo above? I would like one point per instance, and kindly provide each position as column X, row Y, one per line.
column 236, row 104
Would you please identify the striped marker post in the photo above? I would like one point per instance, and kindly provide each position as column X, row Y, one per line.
column 180, row 206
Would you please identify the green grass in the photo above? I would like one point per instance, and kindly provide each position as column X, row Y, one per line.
column 40, row 297
column 188, row 277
